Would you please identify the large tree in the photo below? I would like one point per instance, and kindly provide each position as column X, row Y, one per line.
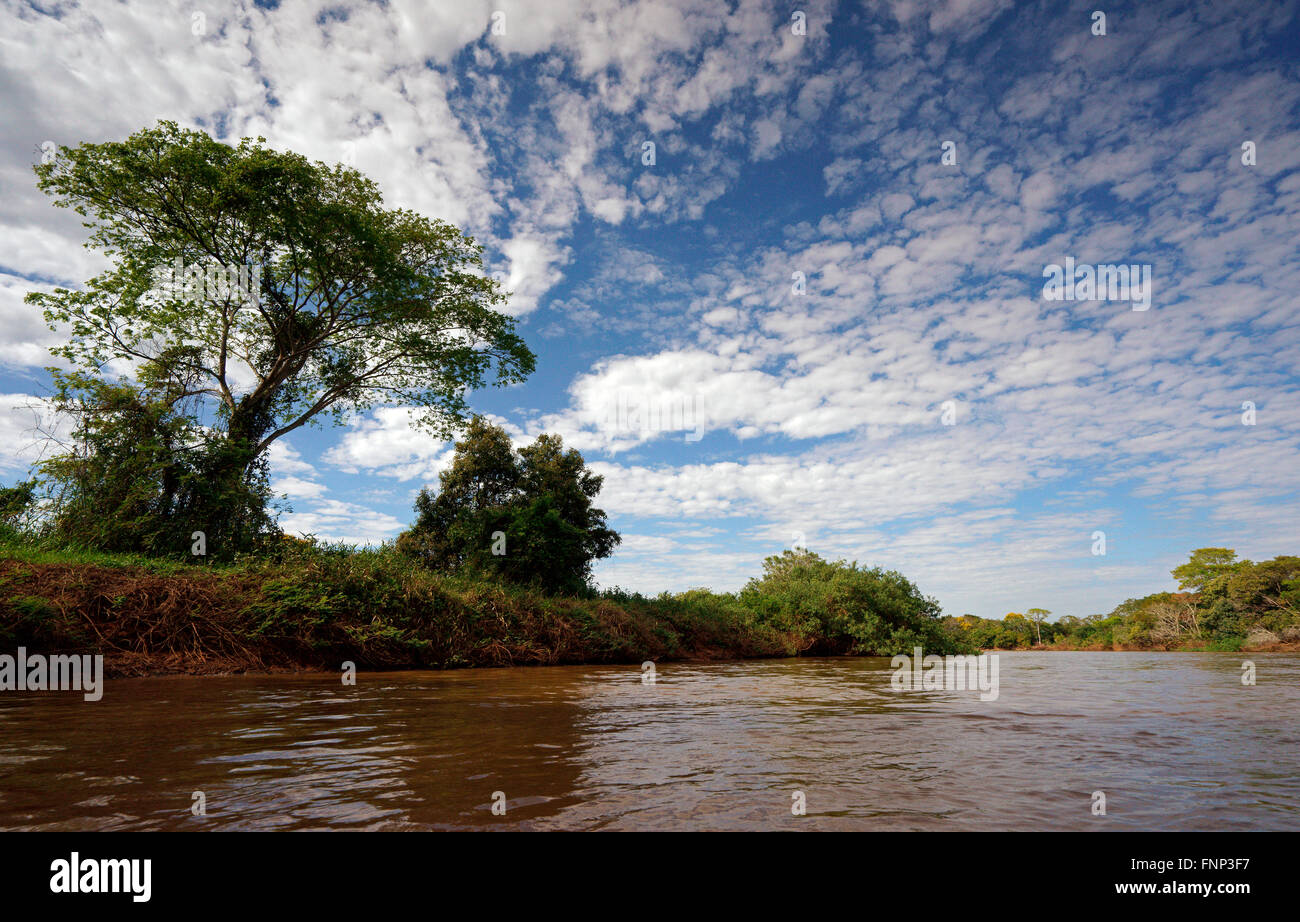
column 300, row 296
column 1206, row 565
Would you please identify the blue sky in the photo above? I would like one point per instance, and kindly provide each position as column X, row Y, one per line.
column 667, row 290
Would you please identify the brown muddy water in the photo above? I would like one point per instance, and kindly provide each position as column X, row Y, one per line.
column 1174, row 740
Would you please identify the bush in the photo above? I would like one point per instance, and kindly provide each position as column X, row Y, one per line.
column 141, row 477
column 839, row 607
column 524, row 517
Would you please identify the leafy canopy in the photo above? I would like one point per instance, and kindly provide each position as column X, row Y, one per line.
column 527, row 517
column 138, row 476
column 355, row 304
column 294, row 296
column 1206, row 565
column 844, row 608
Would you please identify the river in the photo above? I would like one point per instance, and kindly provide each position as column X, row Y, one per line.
column 1174, row 741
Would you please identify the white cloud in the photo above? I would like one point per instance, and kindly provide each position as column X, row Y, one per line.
column 335, row 520
column 29, row 431
column 819, row 413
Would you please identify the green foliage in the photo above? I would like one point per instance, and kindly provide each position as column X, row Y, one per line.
column 1230, row 643
column 301, row 602
column 1014, row 632
column 839, row 607
column 1008, row 634
column 294, row 279
column 525, row 517
column 16, row 503
column 1236, row 602
column 1206, row 565
column 1270, row 589
column 140, row 475
column 32, row 619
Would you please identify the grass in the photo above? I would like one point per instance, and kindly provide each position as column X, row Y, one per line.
column 319, row 606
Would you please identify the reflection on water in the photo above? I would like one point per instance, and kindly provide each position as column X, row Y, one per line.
column 1174, row 740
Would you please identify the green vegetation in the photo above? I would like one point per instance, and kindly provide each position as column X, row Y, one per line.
column 843, row 608
column 251, row 292
column 1231, row 605
column 304, row 604
column 524, row 517
column 496, row 570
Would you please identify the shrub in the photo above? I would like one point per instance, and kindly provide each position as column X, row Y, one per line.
column 839, row 607
column 526, row 517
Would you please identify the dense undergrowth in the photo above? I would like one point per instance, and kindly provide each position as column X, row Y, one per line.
column 312, row 605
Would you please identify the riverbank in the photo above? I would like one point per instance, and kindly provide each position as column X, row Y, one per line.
column 317, row 614
column 308, row 606
column 1189, row 647
column 315, row 607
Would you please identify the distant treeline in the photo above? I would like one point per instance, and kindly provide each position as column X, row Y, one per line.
column 1223, row 604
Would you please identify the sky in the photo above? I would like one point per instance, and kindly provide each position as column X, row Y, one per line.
column 783, row 266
